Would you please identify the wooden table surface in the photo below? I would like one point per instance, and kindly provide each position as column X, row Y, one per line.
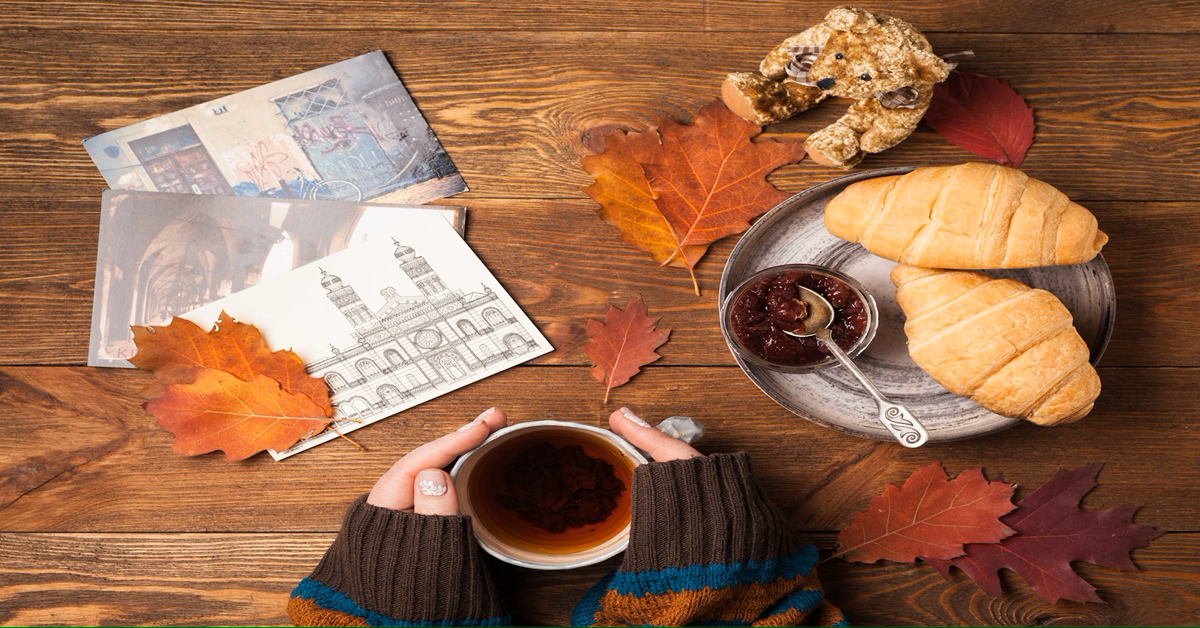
column 102, row 524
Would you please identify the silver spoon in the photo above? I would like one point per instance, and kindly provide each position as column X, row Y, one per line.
column 895, row 417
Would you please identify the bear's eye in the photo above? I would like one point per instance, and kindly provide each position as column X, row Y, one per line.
column 838, row 56
column 865, row 77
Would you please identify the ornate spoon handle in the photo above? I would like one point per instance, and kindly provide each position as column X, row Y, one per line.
column 895, row 417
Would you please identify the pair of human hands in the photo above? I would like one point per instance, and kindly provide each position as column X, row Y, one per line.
column 417, row 482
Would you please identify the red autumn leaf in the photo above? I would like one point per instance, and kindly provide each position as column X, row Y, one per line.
column 930, row 515
column 1052, row 532
column 174, row 351
column 220, row 411
column 983, row 115
column 674, row 192
column 623, row 344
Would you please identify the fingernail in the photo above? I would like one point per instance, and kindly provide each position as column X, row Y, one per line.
column 633, row 417
column 478, row 419
column 431, row 483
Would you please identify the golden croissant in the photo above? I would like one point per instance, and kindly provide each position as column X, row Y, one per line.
column 966, row 216
column 1010, row 348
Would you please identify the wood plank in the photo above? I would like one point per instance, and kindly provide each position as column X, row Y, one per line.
column 171, row 579
column 517, row 113
column 245, row 579
column 1166, row 592
column 785, row 16
column 563, row 264
column 78, row 454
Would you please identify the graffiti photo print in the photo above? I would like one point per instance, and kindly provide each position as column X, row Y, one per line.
column 348, row 132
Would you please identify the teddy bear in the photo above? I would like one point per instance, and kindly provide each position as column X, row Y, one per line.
column 882, row 62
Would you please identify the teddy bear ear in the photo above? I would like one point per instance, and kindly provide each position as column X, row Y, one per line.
column 927, row 67
column 850, row 19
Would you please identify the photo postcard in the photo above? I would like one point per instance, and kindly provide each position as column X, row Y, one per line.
column 348, row 131
column 161, row 255
column 405, row 317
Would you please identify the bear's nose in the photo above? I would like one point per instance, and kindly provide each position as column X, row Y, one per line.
column 826, row 83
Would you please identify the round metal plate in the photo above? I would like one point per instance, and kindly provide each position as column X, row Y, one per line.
column 794, row 233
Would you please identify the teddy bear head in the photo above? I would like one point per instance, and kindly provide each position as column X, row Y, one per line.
column 867, row 54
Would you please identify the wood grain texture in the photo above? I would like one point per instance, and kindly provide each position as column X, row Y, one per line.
column 785, row 16
column 516, row 110
column 1165, row 592
column 820, row 478
column 106, row 526
column 224, row 578
column 563, row 265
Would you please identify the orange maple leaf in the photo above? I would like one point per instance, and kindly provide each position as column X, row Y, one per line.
column 174, row 351
column 220, row 411
column 623, row 344
column 929, row 516
column 674, row 191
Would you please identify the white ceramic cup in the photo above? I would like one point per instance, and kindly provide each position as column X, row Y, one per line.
column 532, row 558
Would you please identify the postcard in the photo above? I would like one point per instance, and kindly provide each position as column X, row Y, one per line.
column 161, row 255
column 405, row 317
column 348, row 131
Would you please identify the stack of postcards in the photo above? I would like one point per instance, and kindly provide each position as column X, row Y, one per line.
column 253, row 204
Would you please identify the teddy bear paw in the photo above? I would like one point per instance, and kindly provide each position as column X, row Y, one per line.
column 761, row 100
column 835, row 146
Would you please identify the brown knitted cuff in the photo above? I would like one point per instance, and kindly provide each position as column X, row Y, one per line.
column 700, row 511
column 409, row 567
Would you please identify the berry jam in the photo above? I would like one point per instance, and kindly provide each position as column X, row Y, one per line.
column 770, row 305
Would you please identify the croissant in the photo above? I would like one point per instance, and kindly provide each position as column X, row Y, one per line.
column 1010, row 348
column 971, row 215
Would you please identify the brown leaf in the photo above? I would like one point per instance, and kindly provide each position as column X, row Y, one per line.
column 711, row 178
column 173, row 352
column 1052, row 531
column 674, row 191
column 930, row 515
column 627, row 201
column 623, row 344
column 220, row 411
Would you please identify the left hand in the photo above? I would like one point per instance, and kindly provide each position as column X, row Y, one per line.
column 417, row 482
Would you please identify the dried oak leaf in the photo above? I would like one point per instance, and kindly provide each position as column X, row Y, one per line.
column 983, row 115
column 174, row 351
column 930, row 515
column 219, row 411
column 627, row 200
column 1052, row 531
column 623, row 344
column 675, row 191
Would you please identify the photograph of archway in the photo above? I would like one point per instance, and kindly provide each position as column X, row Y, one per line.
column 161, row 255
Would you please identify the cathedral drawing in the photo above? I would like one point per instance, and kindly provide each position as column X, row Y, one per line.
column 412, row 345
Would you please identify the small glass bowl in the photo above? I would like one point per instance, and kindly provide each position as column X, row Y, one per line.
column 741, row 352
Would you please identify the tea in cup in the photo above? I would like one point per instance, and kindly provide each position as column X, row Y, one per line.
column 549, row 494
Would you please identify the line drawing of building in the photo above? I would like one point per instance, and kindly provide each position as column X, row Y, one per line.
column 414, row 346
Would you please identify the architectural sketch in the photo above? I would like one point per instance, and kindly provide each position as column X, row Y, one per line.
column 411, row 345
column 393, row 322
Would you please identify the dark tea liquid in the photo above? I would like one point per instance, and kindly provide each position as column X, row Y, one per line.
column 487, row 482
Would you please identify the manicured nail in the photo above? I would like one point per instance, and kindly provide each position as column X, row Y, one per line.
column 633, row 417
column 431, row 482
column 478, row 419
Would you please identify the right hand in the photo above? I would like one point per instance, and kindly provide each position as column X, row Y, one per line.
column 660, row 446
